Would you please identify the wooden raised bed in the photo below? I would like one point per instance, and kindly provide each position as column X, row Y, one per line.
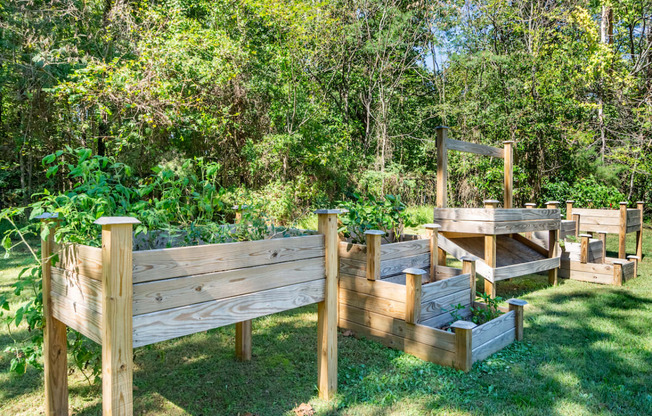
column 404, row 308
column 123, row 299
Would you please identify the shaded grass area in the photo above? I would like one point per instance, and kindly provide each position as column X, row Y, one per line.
column 587, row 351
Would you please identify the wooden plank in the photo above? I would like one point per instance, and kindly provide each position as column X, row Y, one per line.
column 493, row 329
column 507, row 272
column 622, row 232
column 352, row 251
column 243, row 332
column 181, row 291
column 424, row 351
column 396, row 266
column 442, row 166
column 490, row 259
column 77, row 317
column 594, row 228
column 406, row 248
column 379, row 288
column 383, row 306
column 443, row 305
column 597, row 213
column 353, row 267
column 599, row 268
column 629, row 270
column 463, row 335
column 572, row 251
column 439, row 321
column 498, row 228
column 493, row 346
column 436, row 290
column 478, row 149
column 456, row 251
column 419, row 333
column 413, row 295
column 81, row 259
column 531, row 244
column 633, row 217
column 592, row 277
column 172, row 323
column 77, row 288
column 508, row 175
column 373, row 255
column 495, row 214
column 183, row 261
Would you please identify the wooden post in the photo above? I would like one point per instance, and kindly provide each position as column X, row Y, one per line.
column 490, row 252
column 576, row 218
column 517, row 305
column 618, row 272
column 468, row 266
column 413, row 281
column 55, row 348
column 602, row 236
column 569, row 209
column 244, row 329
column 584, row 248
column 442, row 167
column 509, row 173
column 529, row 205
column 117, row 332
column 635, row 259
column 639, row 234
column 433, row 234
column 463, row 351
column 327, row 310
column 373, row 253
column 622, row 231
column 553, row 237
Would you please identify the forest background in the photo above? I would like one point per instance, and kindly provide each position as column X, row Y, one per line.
column 297, row 104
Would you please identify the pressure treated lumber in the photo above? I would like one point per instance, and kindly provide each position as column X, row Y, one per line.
column 639, row 234
column 413, row 294
column 508, row 154
column 442, row 166
column 117, row 330
column 373, row 253
column 475, row 148
column 54, row 333
column 463, row 349
column 433, row 236
column 490, row 254
column 492, row 329
column 622, row 231
column 243, row 330
column 516, row 306
column 553, row 237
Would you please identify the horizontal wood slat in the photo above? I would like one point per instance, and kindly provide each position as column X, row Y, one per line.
column 379, row 305
column 436, row 290
column 81, row 259
column 515, row 270
column 497, row 228
column 492, row 329
column 456, row 251
column 352, row 251
column 439, row 321
column 495, row 214
column 77, row 316
column 575, row 265
column 476, row 148
column 396, row 266
column 493, row 346
column 592, row 277
column 173, row 323
column 405, row 248
column 168, row 263
column 443, row 305
column 586, row 213
column 378, row 288
column 77, row 288
column 181, row 291
column 572, row 251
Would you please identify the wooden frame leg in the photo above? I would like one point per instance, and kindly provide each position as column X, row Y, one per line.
column 243, row 340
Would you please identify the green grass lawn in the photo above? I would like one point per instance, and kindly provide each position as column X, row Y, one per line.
column 587, row 351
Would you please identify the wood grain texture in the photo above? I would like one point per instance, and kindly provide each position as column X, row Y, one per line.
column 591, row 277
column 475, row 148
column 490, row 259
column 516, row 270
column 404, row 248
column 176, row 292
column 442, row 166
column 436, row 290
column 498, row 228
column 81, row 290
column 81, row 259
column 172, row 323
column 396, row 266
column 508, row 175
column 379, row 305
column 168, row 263
column 373, row 256
column 496, row 214
column 352, row 251
column 496, row 344
column 463, row 351
column 441, row 320
column 413, row 307
column 380, row 288
column 117, row 346
column 442, row 305
column 243, row 332
column 493, row 329
column 572, row 251
column 622, row 232
column 77, row 317
column 639, row 233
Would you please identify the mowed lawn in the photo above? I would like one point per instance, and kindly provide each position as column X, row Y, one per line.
column 587, row 351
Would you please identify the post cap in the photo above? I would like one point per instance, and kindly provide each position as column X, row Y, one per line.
column 602, row 232
column 441, row 127
column 48, row 216
column 633, row 257
column 640, row 202
column 552, row 203
column 469, row 258
column 585, row 235
column 116, row 221
column 414, row 270
column 620, row 262
column 432, row 226
column 509, row 142
column 624, row 203
column 331, row 211
column 517, row 302
column 570, row 201
column 530, row 204
column 374, row 232
column 463, row 325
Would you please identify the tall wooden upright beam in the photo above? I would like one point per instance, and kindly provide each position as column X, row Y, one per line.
column 468, row 266
column 490, row 252
column 55, row 348
column 117, row 315
column 442, row 167
column 584, row 248
column 529, row 205
column 413, row 282
column 622, row 231
column 373, row 253
column 639, row 234
column 602, row 236
column 433, row 234
column 553, row 237
column 569, row 209
column 244, row 329
column 327, row 310
column 517, row 305
column 509, row 173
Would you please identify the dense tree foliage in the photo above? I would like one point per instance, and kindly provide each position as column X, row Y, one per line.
column 303, row 102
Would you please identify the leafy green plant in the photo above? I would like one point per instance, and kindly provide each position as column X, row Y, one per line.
column 484, row 314
column 369, row 213
column 455, row 312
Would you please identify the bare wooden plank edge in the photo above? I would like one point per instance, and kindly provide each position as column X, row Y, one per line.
column 352, row 251
column 173, row 323
column 404, row 248
column 605, row 279
column 183, row 261
column 378, row 288
column 443, row 305
column 494, row 345
column 77, row 288
column 436, row 290
column 571, row 251
column 575, row 265
column 396, row 266
column 81, row 259
column 498, row 228
column 495, row 214
column 456, row 251
column 492, row 329
column 522, row 269
column 596, row 213
column 476, row 148
column 380, row 305
column 75, row 315
column 419, row 333
column 182, row 291
column 418, row 349
column 440, row 320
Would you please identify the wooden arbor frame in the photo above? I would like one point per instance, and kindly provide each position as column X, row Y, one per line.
column 492, row 234
column 123, row 299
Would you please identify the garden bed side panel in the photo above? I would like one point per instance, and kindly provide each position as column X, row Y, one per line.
column 394, row 257
column 76, row 289
column 594, row 220
column 181, row 291
column 493, row 336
